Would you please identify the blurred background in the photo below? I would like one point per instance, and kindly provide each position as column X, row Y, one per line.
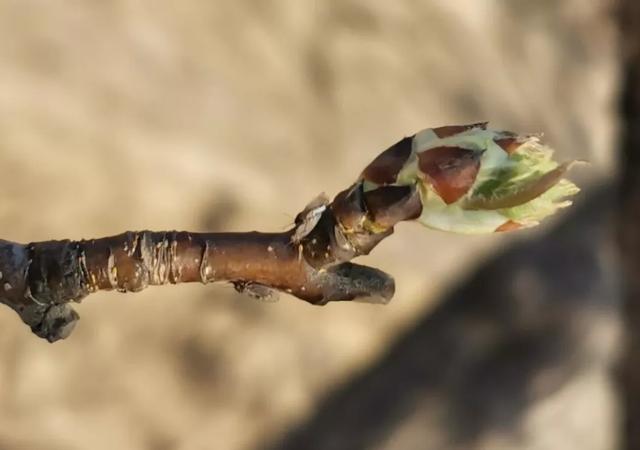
column 195, row 115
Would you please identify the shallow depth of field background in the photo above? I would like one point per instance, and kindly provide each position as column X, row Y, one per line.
column 204, row 115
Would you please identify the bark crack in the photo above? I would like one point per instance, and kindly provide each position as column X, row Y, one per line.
column 310, row 261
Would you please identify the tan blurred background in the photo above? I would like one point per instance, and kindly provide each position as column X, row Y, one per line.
column 203, row 115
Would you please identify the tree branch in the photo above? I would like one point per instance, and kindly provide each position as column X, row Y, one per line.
column 465, row 179
column 310, row 261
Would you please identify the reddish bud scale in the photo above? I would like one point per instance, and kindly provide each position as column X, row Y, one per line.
column 452, row 130
column 450, row 170
column 385, row 168
column 509, row 225
column 509, row 145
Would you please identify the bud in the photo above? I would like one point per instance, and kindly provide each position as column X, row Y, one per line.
column 475, row 180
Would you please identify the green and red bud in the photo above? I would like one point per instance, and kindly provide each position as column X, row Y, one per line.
column 475, row 180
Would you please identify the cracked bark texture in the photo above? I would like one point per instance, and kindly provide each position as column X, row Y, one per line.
column 309, row 261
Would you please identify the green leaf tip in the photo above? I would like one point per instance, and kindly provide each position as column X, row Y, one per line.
column 476, row 180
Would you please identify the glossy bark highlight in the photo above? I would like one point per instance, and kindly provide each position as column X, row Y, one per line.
column 40, row 279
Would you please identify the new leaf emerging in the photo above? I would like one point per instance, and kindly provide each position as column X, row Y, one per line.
column 475, row 180
column 464, row 179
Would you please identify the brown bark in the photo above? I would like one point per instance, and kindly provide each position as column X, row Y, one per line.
column 310, row 261
column 629, row 217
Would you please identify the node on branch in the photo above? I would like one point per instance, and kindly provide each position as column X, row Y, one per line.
column 463, row 179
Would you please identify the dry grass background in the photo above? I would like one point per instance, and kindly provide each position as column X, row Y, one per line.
column 135, row 114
